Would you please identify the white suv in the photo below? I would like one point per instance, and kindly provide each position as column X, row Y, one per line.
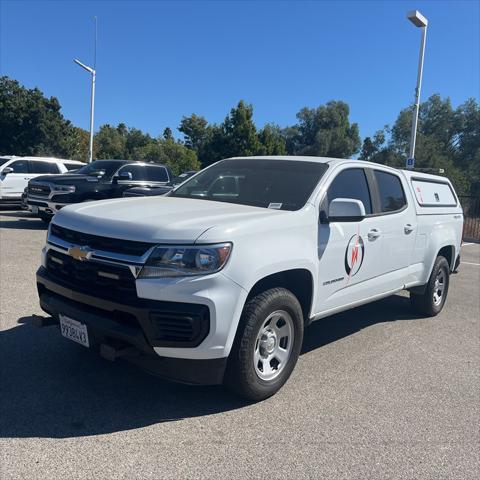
column 15, row 172
column 215, row 282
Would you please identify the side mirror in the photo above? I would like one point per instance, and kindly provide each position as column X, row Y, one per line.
column 125, row 176
column 7, row 170
column 346, row 210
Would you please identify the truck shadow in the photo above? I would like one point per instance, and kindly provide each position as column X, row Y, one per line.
column 21, row 221
column 335, row 327
column 53, row 388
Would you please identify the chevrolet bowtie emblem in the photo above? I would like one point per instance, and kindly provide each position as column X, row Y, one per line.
column 80, row 253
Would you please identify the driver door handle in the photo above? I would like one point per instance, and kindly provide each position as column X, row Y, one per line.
column 373, row 234
column 408, row 228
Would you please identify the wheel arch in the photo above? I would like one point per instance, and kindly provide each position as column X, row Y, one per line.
column 298, row 280
column 448, row 252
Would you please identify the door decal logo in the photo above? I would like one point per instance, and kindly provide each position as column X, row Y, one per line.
column 354, row 255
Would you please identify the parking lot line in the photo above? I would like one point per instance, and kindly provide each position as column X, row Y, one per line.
column 471, row 263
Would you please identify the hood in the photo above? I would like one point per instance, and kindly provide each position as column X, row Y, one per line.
column 65, row 179
column 159, row 219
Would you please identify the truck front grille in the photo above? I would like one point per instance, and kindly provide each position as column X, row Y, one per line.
column 38, row 190
column 91, row 277
column 114, row 245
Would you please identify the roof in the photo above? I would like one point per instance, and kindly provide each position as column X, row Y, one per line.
column 48, row 159
column 290, row 157
column 338, row 161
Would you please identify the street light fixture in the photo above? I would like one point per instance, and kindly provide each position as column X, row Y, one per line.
column 93, row 72
column 421, row 22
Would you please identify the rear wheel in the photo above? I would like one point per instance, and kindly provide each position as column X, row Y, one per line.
column 267, row 344
column 432, row 300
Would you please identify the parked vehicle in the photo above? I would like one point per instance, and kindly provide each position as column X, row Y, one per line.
column 216, row 281
column 153, row 191
column 15, row 173
column 147, row 191
column 98, row 180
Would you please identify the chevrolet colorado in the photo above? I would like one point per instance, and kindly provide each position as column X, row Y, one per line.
column 216, row 281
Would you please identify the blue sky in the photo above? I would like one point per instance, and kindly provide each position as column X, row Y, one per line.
column 158, row 61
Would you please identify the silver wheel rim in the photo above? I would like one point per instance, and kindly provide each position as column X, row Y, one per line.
column 273, row 345
column 439, row 288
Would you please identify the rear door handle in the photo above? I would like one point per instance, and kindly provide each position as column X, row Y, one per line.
column 408, row 228
column 373, row 234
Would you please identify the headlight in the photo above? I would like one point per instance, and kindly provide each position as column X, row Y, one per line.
column 64, row 188
column 185, row 261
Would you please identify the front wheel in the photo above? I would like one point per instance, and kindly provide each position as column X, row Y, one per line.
column 432, row 300
column 267, row 345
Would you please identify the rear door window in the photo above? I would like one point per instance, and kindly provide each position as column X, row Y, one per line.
column 351, row 183
column 44, row 167
column 390, row 191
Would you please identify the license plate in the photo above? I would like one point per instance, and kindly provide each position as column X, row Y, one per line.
column 74, row 330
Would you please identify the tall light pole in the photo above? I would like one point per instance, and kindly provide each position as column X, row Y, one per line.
column 93, row 72
column 419, row 21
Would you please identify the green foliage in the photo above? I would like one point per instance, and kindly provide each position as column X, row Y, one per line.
column 31, row 124
column 178, row 157
column 324, row 131
column 272, row 140
column 110, row 142
column 446, row 138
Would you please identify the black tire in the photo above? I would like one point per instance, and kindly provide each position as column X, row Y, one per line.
column 45, row 217
column 241, row 376
column 426, row 303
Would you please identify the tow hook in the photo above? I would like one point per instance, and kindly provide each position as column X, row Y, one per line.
column 39, row 321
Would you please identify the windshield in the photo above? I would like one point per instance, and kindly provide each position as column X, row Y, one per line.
column 108, row 167
column 278, row 184
column 4, row 160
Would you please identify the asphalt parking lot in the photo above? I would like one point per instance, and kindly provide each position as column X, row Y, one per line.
column 378, row 393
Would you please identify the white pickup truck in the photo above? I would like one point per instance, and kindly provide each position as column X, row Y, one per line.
column 215, row 282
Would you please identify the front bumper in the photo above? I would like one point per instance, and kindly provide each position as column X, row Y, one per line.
column 127, row 325
column 45, row 205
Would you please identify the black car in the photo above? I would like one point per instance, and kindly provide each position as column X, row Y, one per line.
column 153, row 191
column 96, row 181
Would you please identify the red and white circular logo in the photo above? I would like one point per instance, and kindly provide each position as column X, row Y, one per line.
column 354, row 255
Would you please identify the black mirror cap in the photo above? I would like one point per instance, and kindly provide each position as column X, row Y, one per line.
column 345, row 219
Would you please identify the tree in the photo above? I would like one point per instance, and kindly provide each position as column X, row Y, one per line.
column 168, row 134
column 31, row 124
column 467, row 142
column 239, row 133
column 110, row 142
column 135, row 139
column 324, row 131
column 195, row 130
column 372, row 147
column 272, row 140
column 168, row 152
column 236, row 136
column 446, row 138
